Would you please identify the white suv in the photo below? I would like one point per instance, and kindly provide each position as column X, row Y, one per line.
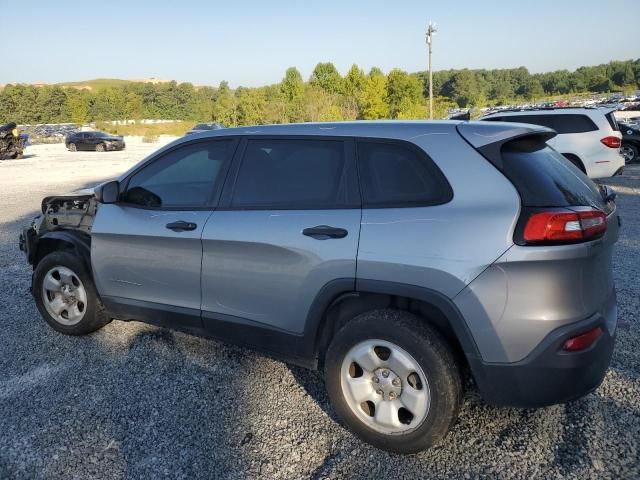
column 588, row 137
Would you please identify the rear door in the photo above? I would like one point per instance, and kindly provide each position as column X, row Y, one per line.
column 146, row 249
column 287, row 225
column 82, row 141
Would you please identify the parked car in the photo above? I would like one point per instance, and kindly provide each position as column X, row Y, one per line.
column 205, row 127
column 630, row 141
column 95, row 141
column 393, row 255
column 588, row 137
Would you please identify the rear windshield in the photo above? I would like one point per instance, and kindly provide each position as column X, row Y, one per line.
column 545, row 178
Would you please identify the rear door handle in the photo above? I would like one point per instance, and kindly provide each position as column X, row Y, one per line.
column 323, row 232
column 181, row 226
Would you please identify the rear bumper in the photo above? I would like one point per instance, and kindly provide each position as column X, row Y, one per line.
column 548, row 375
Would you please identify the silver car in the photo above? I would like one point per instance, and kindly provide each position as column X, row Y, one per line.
column 396, row 256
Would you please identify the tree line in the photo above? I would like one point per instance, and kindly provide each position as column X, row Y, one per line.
column 325, row 96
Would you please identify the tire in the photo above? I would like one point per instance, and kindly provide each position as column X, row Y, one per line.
column 72, row 147
column 629, row 152
column 417, row 351
column 61, row 272
column 100, row 147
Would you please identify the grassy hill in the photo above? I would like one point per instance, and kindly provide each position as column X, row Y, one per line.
column 96, row 83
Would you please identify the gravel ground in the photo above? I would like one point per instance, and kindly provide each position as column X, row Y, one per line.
column 136, row 401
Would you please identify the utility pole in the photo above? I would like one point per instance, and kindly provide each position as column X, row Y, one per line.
column 430, row 32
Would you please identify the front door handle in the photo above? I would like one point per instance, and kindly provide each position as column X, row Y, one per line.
column 323, row 232
column 181, row 226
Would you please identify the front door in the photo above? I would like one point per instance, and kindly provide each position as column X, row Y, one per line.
column 288, row 225
column 146, row 249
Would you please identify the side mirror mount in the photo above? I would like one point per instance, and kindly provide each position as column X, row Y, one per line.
column 108, row 192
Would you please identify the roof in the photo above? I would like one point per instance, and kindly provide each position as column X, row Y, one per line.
column 378, row 128
column 476, row 132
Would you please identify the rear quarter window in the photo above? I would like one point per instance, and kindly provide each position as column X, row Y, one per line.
column 574, row 123
column 397, row 174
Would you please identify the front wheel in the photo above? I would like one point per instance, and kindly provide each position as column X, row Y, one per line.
column 72, row 147
column 629, row 152
column 66, row 296
column 100, row 147
column 393, row 380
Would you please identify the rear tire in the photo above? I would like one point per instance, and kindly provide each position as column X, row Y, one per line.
column 100, row 147
column 72, row 147
column 629, row 152
column 66, row 295
column 393, row 380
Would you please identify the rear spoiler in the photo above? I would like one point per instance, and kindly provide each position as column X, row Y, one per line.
column 488, row 138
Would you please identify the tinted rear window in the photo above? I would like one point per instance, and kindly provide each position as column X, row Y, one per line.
column 545, row 178
column 399, row 175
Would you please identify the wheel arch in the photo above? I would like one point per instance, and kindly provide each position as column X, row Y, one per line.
column 77, row 242
column 430, row 305
column 573, row 158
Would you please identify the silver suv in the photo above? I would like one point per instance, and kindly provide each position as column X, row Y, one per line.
column 397, row 256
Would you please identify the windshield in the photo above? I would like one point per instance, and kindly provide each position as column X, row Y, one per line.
column 101, row 134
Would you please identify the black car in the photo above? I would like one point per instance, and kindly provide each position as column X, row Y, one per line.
column 205, row 127
column 94, row 141
column 630, row 141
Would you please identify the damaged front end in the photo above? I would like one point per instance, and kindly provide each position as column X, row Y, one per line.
column 64, row 218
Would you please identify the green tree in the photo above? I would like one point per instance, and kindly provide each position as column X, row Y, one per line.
column 403, row 92
column 373, row 98
column 292, row 89
column 461, row 87
column 224, row 108
column 375, row 71
column 354, row 81
column 327, row 77
column 251, row 106
column 78, row 106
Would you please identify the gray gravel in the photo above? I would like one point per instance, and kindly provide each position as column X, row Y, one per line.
column 136, row 401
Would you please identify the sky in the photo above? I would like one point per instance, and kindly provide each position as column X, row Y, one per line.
column 252, row 43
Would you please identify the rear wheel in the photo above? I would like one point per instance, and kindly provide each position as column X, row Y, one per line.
column 100, row 147
column 629, row 152
column 66, row 296
column 72, row 147
column 393, row 380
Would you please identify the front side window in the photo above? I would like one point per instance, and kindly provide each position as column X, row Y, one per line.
column 185, row 177
column 398, row 175
column 291, row 174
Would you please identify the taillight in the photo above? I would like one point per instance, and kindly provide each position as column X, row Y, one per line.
column 611, row 142
column 582, row 341
column 564, row 226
